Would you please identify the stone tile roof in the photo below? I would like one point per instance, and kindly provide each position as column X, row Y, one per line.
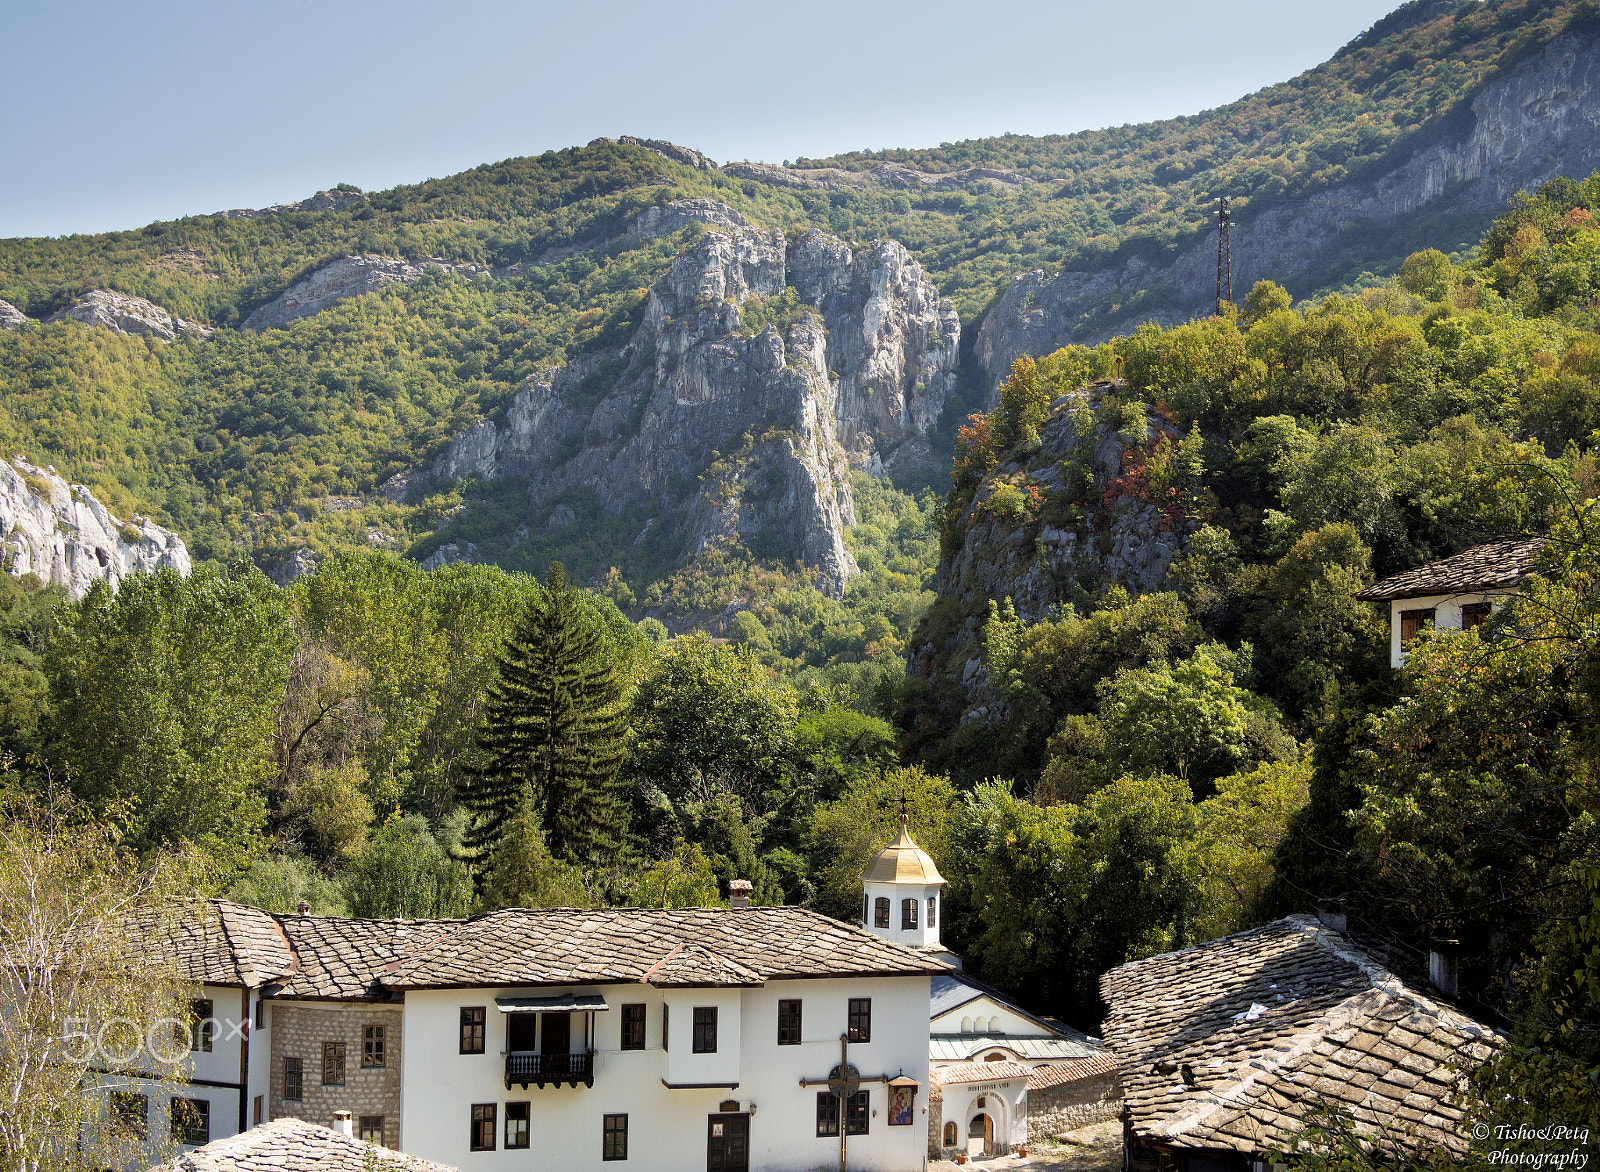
column 1056, row 1074
column 343, row 959
column 565, row 946
column 219, row 943
column 965, row 1072
column 1497, row 565
column 1226, row 1045
column 294, row 1145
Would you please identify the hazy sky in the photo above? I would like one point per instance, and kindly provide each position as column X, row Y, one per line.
column 119, row 113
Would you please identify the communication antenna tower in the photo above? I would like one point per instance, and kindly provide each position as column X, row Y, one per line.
column 1224, row 256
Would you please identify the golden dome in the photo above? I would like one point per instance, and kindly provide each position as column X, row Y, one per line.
column 902, row 861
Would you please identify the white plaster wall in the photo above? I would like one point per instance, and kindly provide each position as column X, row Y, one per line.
column 1447, row 614
column 668, row 1128
column 260, row 1074
column 683, row 1064
column 1005, row 1101
column 1011, row 1022
column 922, row 936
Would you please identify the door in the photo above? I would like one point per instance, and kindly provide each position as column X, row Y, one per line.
column 557, row 1033
column 519, row 1030
column 728, row 1143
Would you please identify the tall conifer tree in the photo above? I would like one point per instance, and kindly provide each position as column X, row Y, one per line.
column 553, row 721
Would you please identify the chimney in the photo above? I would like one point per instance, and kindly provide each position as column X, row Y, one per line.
column 739, row 893
column 341, row 1124
column 1444, row 966
column 304, row 909
column 1331, row 913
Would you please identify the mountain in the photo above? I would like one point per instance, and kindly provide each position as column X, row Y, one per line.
column 625, row 356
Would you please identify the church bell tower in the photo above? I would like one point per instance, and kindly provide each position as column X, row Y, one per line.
column 902, row 893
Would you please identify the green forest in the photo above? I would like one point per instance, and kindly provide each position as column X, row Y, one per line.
column 381, row 740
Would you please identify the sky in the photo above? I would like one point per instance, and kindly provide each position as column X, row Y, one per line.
column 120, row 114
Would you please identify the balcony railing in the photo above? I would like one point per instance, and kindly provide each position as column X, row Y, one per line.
column 525, row 1067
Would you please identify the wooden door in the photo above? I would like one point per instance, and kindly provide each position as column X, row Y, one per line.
column 728, row 1143
column 557, row 1033
column 519, row 1030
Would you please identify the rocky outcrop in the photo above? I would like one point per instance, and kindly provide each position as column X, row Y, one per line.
column 62, row 534
column 333, row 200
column 891, row 339
column 1537, row 120
column 127, row 315
column 723, row 430
column 665, row 219
column 449, row 555
column 11, row 317
column 1083, row 535
column 349, row 276
column 894, row 176
column 669, row 150
column 297, row 563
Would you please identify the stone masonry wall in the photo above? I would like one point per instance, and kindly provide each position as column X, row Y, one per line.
column 298, row 1030
column 1052, row 1110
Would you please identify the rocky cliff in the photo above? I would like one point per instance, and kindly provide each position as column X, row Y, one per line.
column 1539, row 119
column 1073, row 516
column 332, row 200
column 11, row 317
column 126, row 314
column 732, row 413
column 349, row 276
column 61, row 533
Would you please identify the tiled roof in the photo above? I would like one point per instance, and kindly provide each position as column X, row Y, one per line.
column 1226, row 1045
column 293, row 1145
column 343, row 958
column 565, row 946
column 219, row 943
column 1057, row 1074
column 965, row 1072
column 962, row 1047
column 1497, row 565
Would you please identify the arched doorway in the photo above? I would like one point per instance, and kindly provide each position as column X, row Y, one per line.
column 980, row 1136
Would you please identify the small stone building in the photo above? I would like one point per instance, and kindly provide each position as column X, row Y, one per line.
column 1228, row 1046
column 1455, row 593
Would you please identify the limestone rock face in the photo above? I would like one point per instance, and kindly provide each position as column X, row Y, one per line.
column 324, row 201
column 720, row 431
column 296, row 563
column 665, row 219
column 670, row 150
column 892, row 340
column 60, row 532
column 1110, row 534
column 126, row 315
column 349, row 276
column 1540, row 119
column 11, row 317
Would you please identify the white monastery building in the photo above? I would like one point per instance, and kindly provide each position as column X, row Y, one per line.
column 1456, row 593
column 726, row 1039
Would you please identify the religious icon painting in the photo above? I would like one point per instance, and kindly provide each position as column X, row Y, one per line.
column 900, row 1107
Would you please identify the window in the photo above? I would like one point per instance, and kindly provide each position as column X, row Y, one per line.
column 994, row 1057
column 633, row 1027
column 860, row 1026
column 256, row 1111
column 788, row 1023
column 866, row 909
column 372, row 1049
column 664, row 1017
column 516, row 1125
column 908, row 914
column 333, row 1064
column 949, row 1135
column 482, row 1139
column 880, row 912
column 191, row 1121
column 472, row 1019
column 1475, row 614
column 705, row 1029
column 856, row 1119
column 205, row 1026
column 371, row 1129
column 1412, row 622
column 131, row 1112
column 827, row 1113
column 294, row 1075
column 261, row 1013
column 616, row 1138
column 933, row 911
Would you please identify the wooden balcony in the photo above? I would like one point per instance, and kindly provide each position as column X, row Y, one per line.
column 526, row 1067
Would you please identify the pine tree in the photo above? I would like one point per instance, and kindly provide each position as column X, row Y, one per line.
column 523, row 873
column 554, row 721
